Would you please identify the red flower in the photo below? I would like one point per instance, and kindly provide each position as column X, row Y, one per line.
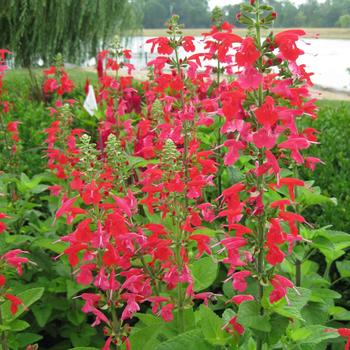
column 233, row 151
column 187, row 43
column 13, row 259
column 3, row 226
column 345, row 332
column 236, row 327
column 15, row 302
column 280, row 285
column 127, row 54
column 239, row 283
column 264, row 138
column 163, row 45
column 2, row 280
column 202, row 244
column 267, row 114
column 166, row 312
column 286, row 42
column 274, row 255
column 240, row 298
column 247, row 54
column 250, row 78
column 291, row 183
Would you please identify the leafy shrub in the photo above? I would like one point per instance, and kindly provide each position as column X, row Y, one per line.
column 333, row 123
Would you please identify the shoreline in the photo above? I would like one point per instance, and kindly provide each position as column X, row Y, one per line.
column 324, row 93
column 322, row 33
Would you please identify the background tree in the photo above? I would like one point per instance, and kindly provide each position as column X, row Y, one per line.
column 39, row 29
column 344, row 21
column 193, row 13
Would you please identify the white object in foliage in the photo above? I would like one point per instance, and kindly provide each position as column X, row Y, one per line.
column 90, row 103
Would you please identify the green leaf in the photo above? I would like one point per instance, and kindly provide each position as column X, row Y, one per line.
column 211, row 325
column 42, row 312
column 146, row 338
column 75, row 316
column 73, row 288
column 28, row 298
column 324, row 295
column 297, row 300
column 327, row 248
column 47, row 243
column 18, row 239
column 227, row 315
column 81, row 336
column 204, row 272
column 315, row 313
column 83, row 348
column 249, row 316
column 24, row 339
column 339, row 313
column 312, row 334
column 39, row 188
column 278, row 325
column 337, row 237
column 18, row 325
column 148, row 319
column 234, row 174
column 190, row 340
column 139, row 162
column 205, row 231
column 312, row 196
column 343, row 268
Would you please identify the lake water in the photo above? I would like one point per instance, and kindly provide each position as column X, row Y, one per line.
column 328, row 59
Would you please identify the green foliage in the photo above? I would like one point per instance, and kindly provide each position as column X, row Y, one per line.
column 204, row 273
column 40, row 29
column 249, row 316
column 28, row 297
column 333, row 177
column 344, row 21
column 32, row 114
column 57, row 318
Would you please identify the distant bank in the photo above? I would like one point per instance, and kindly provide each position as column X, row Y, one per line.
column 324, row 33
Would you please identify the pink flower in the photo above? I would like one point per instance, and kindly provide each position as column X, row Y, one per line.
column 240, row 298
column 239, row 280
column 166, row 312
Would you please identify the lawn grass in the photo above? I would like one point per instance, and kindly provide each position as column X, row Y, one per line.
column 21, row 76
column 324, row 33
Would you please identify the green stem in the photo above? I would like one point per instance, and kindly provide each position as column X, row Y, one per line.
column 220, row 161
column 185, row 126
column 180, row 296
column 220, row 158
column 260, row 185
column 181, row 314
column 297, row 211
column 115, row 325
column 297, row 273
column 151, row 274
column 327, row 271
column 3, row 338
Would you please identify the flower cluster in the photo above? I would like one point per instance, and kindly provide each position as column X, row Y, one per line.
column 154, row 193
column 11, row 259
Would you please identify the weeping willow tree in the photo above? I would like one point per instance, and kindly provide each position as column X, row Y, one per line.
column 39, row 29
